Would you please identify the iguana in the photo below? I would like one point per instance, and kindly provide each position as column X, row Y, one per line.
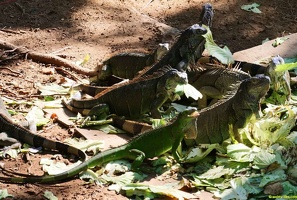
column 280, row 92
column 223, row 119
column 185, row 50
column 214, row 82
column 127, row 65
column 136, row 97
column 149, row 144
column 206, row 15
column 188, row 48
column 13, row 134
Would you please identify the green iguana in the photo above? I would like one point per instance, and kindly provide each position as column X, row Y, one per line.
column 215, row 82
column 127, row 65
column 217, row 122
column 136, row 97
column 150, row 144
column 12, row 134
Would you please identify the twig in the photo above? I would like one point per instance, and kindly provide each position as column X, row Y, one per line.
column 63, row 49
column 48, row 59
column 68, row 73
column 11, row 70
column 10, row 31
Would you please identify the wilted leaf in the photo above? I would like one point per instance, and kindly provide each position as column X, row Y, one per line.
column 197, row 154
column 117, row 166
column 241, row 153
column 273, row 176
column 224, row 55
column 58, row 167
column 49, row 195
column 189, row 91
column 278, row 41
column 4, row 194
column 152, row 191
column 251, row 7
column 286, row 66
column 36, row 116
column 216, row 172
column 86, row 145
column 263, row 159
column 52, row 89
column 237, row 191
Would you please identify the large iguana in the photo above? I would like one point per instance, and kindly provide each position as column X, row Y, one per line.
column 127, row 65
column 217, row 122
column 13, row 134
column 136, row 97
column 188, row 48
column 147, row 145
column 214, row 82
column 183, row 51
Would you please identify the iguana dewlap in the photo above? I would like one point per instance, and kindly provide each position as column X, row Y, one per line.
column 149, row 144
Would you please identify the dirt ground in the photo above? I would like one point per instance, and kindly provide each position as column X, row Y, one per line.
column 101, row 28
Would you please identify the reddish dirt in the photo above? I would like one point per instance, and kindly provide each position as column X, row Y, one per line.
column 101, row 28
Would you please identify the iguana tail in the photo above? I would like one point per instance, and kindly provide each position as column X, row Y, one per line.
column 106, row 156
column 24, row 135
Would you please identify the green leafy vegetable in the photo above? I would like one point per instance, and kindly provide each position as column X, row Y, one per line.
column 4, row 194
column 49, row 195
column 251, row 8
column 224, row 55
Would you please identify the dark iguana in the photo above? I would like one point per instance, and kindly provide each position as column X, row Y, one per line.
column 136, row 97
column 13, row 134
column 188, row 48
column 150, row 144
column 183, row 51
column 206, row 15
column 127, row 65
column 217, row 122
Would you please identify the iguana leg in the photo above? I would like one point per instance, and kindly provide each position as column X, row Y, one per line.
column 100, row 111
column 207, row 91
column 176, row 148
column 139, row 157
column 155, row 106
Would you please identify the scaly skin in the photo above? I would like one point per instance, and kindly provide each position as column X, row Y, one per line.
column 214, row 122
column 186, row 49
column 215, row 82
column 142, row 146
column 135, row 98
column 21, row 134
column 127, row 65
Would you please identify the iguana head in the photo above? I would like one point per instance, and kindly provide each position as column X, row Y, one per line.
column 206, row 15
column 255, row 87
column 173, row 78
column 192, row 43
column 188, row 120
